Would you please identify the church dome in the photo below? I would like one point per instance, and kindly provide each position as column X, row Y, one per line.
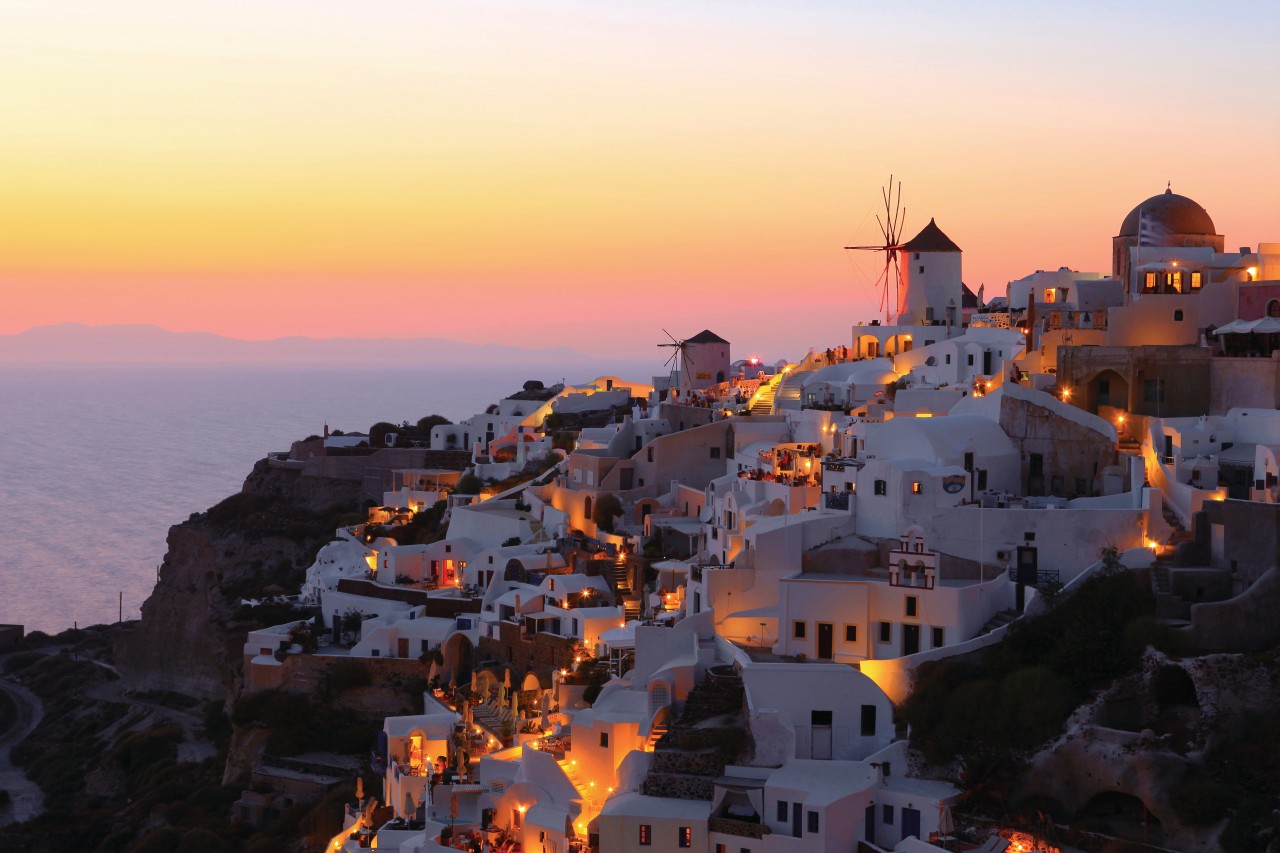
column 1172, row 213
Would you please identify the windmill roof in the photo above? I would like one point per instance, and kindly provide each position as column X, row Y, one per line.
column 931, row 239
column 706, row 336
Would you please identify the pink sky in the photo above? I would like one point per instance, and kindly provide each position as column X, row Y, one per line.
column 584, row 174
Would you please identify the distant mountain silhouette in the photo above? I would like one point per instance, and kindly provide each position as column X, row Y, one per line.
column 75, row 342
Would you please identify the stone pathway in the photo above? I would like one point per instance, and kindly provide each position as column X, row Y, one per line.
column 26, row 799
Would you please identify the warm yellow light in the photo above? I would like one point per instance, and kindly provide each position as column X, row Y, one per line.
column 522, row 809
column 1066, row 393
column 1119, row 419
column 1253, row 273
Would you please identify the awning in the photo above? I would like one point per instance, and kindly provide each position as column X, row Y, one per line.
column 1261, row 326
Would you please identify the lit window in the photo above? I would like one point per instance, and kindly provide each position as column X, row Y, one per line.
column 1195, row 281
column 646, row 835
column 686, row 836
column 917, row 487
column 1150, row 281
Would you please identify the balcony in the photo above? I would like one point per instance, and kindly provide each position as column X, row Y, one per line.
column 738, row 827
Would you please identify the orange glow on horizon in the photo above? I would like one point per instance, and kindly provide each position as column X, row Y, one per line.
column 251, row 171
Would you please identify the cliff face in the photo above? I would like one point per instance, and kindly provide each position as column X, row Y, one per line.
column 191, row 635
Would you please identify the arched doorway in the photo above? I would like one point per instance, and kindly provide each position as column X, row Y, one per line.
column 1108, row 390
column 1122, row 815
column 459, row 658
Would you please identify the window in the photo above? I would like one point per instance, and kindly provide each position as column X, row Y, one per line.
column 868, row 721
column 720, row 848
column 685, row 836
column 948, row 358
column 917, row 487
column 911, row 605
column 646, row 835
column 782, row 810
column 915, row 256
column 922, row 268
column 971, row 359
column 1153, row 391
column 882, row 487
column 1195, row 280
column 982, row 478
column 604, row 738
column 715, row 453
column 1176, row 281
column 851, row 633
column 1177, row 316
column 968, row 460
column 1150, row 280
column 650, row 454
column 813, row 821
column 820, row 718
column 798, row 630
column 886, row 632
column 887, row 814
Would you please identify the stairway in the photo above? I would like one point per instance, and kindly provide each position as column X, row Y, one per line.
column 762, row 402
column 1169, row 605
column 1004, row 617
column 655, row 735
column 627, row 597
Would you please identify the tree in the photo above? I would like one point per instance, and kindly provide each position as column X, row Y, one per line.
column 469, row 484
column 378, row 433
column 426, row 424
column 607, row 508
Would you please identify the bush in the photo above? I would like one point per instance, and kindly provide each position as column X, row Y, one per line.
column 468, row 484
column 607, row 508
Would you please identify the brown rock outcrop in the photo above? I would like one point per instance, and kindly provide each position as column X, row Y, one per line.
column 189, row 639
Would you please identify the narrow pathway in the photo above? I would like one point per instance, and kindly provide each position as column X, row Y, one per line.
column 26, row 800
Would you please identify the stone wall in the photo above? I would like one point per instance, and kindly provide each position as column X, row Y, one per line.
column 522, row 652
column 1251, row 620
column 1246, row 382
column 1072, row 454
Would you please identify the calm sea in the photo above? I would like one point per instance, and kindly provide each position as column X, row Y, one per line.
column 96, row 463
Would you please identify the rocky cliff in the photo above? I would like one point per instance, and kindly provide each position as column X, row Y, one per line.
column 252, row 544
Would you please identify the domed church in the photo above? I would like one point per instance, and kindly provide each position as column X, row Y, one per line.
column 1167, row 220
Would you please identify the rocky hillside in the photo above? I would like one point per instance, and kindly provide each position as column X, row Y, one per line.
column 252, row 544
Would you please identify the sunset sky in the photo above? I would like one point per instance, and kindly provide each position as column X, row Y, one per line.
column 586, row 173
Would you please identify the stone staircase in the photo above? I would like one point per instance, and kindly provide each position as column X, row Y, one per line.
column 1004, row 617
column 656, row 734
column 1169, row 605
column 688, row 757
column 762, row 403
column 627, row 597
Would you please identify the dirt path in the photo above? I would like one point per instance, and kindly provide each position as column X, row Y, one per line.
column 26, row 798
column 194, row 747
